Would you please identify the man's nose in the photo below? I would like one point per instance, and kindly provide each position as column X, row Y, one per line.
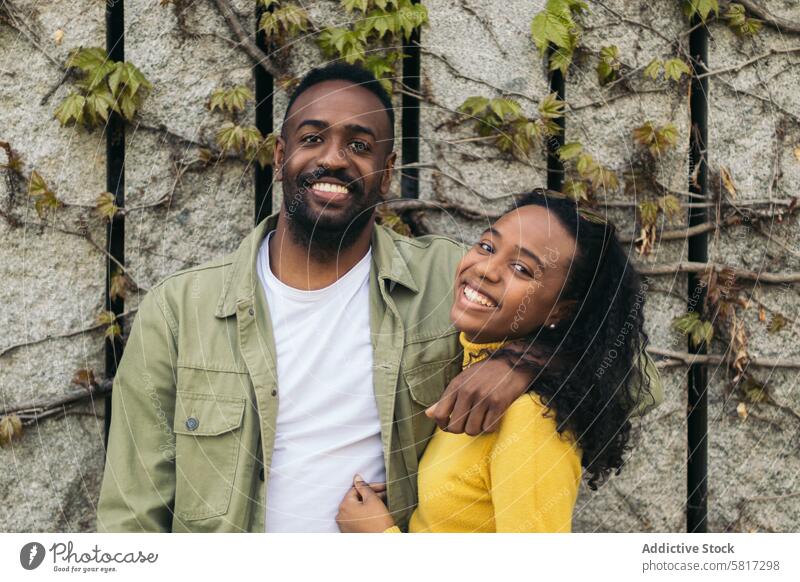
column 334, row 156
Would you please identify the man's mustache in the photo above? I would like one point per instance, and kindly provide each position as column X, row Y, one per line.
column 306, row 179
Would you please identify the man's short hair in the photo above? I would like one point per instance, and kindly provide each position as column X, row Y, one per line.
column 345, row 72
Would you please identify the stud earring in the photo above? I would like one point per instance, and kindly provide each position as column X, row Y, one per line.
column 552, row 326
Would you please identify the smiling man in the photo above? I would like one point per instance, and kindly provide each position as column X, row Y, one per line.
column 308, row 355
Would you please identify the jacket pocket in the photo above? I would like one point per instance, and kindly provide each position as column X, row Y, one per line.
column 207, row 436
column 427, row 383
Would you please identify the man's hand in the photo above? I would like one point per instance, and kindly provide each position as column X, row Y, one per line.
column 476, row 399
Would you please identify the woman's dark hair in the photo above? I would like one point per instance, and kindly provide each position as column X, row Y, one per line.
column 586, row 368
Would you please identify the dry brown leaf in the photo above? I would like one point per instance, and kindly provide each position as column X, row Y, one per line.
column 797, row 153
column 727, row 181
column 741, row 410
column 10, row 428
column 762, row 314
column 84, row 377
column 58, row 36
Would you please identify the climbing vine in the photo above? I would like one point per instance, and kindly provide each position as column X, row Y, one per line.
column 373, row 35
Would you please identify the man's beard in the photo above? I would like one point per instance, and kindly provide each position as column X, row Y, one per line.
column 326, row 236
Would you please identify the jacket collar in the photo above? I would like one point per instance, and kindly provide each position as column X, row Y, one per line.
column 241, row 279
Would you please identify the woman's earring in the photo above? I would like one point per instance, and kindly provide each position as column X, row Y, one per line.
column 552, row 326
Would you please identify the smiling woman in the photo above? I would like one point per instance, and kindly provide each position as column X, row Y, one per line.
column 548, row 289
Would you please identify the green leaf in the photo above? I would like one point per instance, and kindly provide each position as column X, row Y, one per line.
column 549, row 27
column 551, row 106
column 670, row 206
column 753, row 390
column 475, row 105
column 675, row 68
column 691, row 325
column 737, row 19
column 609, row 64
column 351, row 5
column 87, row 59
column 105, row 206
column 570, row 150
column 653, row 69
column 71, row 109
column 701, row 8
column 777, row 323
column 98, row 105
column 37, row 185
column 648, row 213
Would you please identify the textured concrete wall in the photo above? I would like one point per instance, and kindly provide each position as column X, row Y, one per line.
column 753, row 132
column 53, row 282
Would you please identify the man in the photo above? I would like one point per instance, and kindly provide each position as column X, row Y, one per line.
column 307, row 356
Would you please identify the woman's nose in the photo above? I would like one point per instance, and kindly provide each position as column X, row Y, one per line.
column 489, row 270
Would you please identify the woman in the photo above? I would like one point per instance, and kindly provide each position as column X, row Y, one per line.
column 549, row 287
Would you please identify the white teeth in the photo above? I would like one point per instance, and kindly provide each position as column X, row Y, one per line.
column 328, row 187
column 476, row 297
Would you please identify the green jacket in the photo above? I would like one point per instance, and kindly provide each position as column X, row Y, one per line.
column 195, row 398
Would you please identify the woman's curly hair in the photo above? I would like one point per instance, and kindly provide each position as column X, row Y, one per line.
column 586, row 370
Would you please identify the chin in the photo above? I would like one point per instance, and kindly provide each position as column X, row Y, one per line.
column 467, row 322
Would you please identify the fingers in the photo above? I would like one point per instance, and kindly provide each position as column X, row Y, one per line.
column 461, row 410
column 441, row 411
column 474, row 423
column 352, row 495
column 379, row 489
column 364, row 490
column 491, row 421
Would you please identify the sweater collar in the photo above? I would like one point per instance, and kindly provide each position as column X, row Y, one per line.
column 475, row 352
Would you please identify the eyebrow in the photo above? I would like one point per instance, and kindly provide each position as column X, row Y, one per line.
column 351, row 127
column 494, row 232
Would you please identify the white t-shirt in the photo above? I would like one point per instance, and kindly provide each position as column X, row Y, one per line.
column 328, row 427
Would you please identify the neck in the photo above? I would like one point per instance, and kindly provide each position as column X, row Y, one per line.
column 298, row 266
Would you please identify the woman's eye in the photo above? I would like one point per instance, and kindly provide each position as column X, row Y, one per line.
column 521, row 268
column 485, row 246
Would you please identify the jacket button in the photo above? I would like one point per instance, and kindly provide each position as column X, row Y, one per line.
column 192, row 423
column 261, row 473
column 274, row 392
column 251, row 311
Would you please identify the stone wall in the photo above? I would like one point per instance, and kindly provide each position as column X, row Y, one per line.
column 53, row 280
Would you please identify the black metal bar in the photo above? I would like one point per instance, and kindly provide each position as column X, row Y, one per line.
column 555, row 168
column 115, row 183
column 697, row 413
column 409, row 152
column 265, row 89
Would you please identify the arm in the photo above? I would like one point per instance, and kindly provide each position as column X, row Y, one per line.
column 138, row 488
column 534, row 473
column 476, row 399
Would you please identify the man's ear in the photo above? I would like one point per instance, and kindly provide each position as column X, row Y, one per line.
column 277, row 158
column 562, row 311
column 386, row 178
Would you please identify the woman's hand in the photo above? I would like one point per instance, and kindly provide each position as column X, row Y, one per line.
column 362, row 511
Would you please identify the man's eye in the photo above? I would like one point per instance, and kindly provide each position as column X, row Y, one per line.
column 359, row 146
column 310, row 138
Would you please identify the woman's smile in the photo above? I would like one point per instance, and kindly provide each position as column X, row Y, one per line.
column 471, row 298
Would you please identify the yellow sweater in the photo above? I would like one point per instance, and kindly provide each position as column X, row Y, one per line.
column 522, row 478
